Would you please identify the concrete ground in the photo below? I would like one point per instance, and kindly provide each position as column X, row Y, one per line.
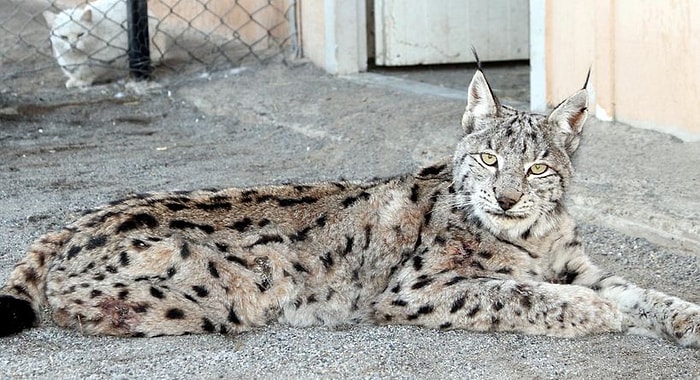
column 636, row 196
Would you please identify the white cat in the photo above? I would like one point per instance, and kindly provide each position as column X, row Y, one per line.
column 90, row 42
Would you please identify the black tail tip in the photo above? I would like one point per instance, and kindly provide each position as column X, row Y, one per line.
column 15, row 315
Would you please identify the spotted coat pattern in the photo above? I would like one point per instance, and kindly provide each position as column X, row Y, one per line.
column 480, row 242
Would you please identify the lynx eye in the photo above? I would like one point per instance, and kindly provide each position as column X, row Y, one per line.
column 489, row 159
column 537, row 169
column 80, row 34
column 65, row 38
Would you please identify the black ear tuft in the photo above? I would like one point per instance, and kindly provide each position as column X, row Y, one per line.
column 476, row 57
column 15, row 315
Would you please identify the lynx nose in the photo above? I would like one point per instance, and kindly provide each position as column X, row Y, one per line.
column 507, row 201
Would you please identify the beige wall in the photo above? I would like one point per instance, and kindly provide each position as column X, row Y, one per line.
column 334, row 34
column 645, row 56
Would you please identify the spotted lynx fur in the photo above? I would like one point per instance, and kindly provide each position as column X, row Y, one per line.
column 480, row 242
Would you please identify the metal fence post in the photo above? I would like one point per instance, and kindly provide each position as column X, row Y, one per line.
column 139, row 50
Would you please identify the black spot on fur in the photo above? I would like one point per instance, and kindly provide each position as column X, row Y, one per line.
column 396, row 288
column 498, row 305
column 171, row 272
column 214, row 206
column 175, row 313
column 266, row 239
column 124, row 259
column 472, row 312
column 175, row 206
column 221, row 247
column 327, row 260
column 185, row 250
column 237, row 260
column 242, row 224
column 15, row 315
column 417, row 263
column 111, row 269
column 233, row 317
column 138, row 221
column 457, row 305
column 422, row 283
column 123, row 294
column 349, row 201
column 96, row 241
column 155, row 292
column 526, row 235
column 349, row 240
column 200, row 290
column 298, row 302
column 300, row 235
column 300, row 268
column 505, row 270
column 368, row 236
column 212, row 269
column 431, row 170
column 73, row 251
column 414, row 193
column 208, row 326
column 485, row 254
column 286, row 202
column 426, row 309
column 412, row 317
column 399, row 302
column 311, row 299
column 184, row 225
column 455, row 280
column 248, row 195
column 446, row 325
column 263, row 222
column 95, row 293
column 321, row 220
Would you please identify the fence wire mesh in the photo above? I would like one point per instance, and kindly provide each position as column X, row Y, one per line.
column 76, row 42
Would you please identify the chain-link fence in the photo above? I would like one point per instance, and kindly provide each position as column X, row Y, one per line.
column 77, row 43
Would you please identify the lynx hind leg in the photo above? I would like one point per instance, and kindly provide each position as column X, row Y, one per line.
column 152, row 288
column 481, row 304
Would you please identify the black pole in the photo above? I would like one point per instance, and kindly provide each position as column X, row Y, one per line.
column 139, row 51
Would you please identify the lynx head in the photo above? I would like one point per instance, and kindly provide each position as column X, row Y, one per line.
column 70, row 29
column 512, row 168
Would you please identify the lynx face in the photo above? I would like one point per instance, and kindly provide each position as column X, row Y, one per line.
column 512, row 168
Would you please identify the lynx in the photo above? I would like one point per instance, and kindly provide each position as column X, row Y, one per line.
column 90, row 42
column 480, row 242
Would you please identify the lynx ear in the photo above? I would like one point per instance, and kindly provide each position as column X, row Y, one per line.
column 87, row 15
column 50, row 17
column 568, row 117
column 481, row 103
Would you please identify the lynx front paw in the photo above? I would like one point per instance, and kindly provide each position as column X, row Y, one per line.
column 686, row 327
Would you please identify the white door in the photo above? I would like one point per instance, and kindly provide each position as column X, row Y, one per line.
column 416, row 32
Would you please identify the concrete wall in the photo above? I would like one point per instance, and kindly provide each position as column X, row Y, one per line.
column 334, row 34
column 645, row 56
